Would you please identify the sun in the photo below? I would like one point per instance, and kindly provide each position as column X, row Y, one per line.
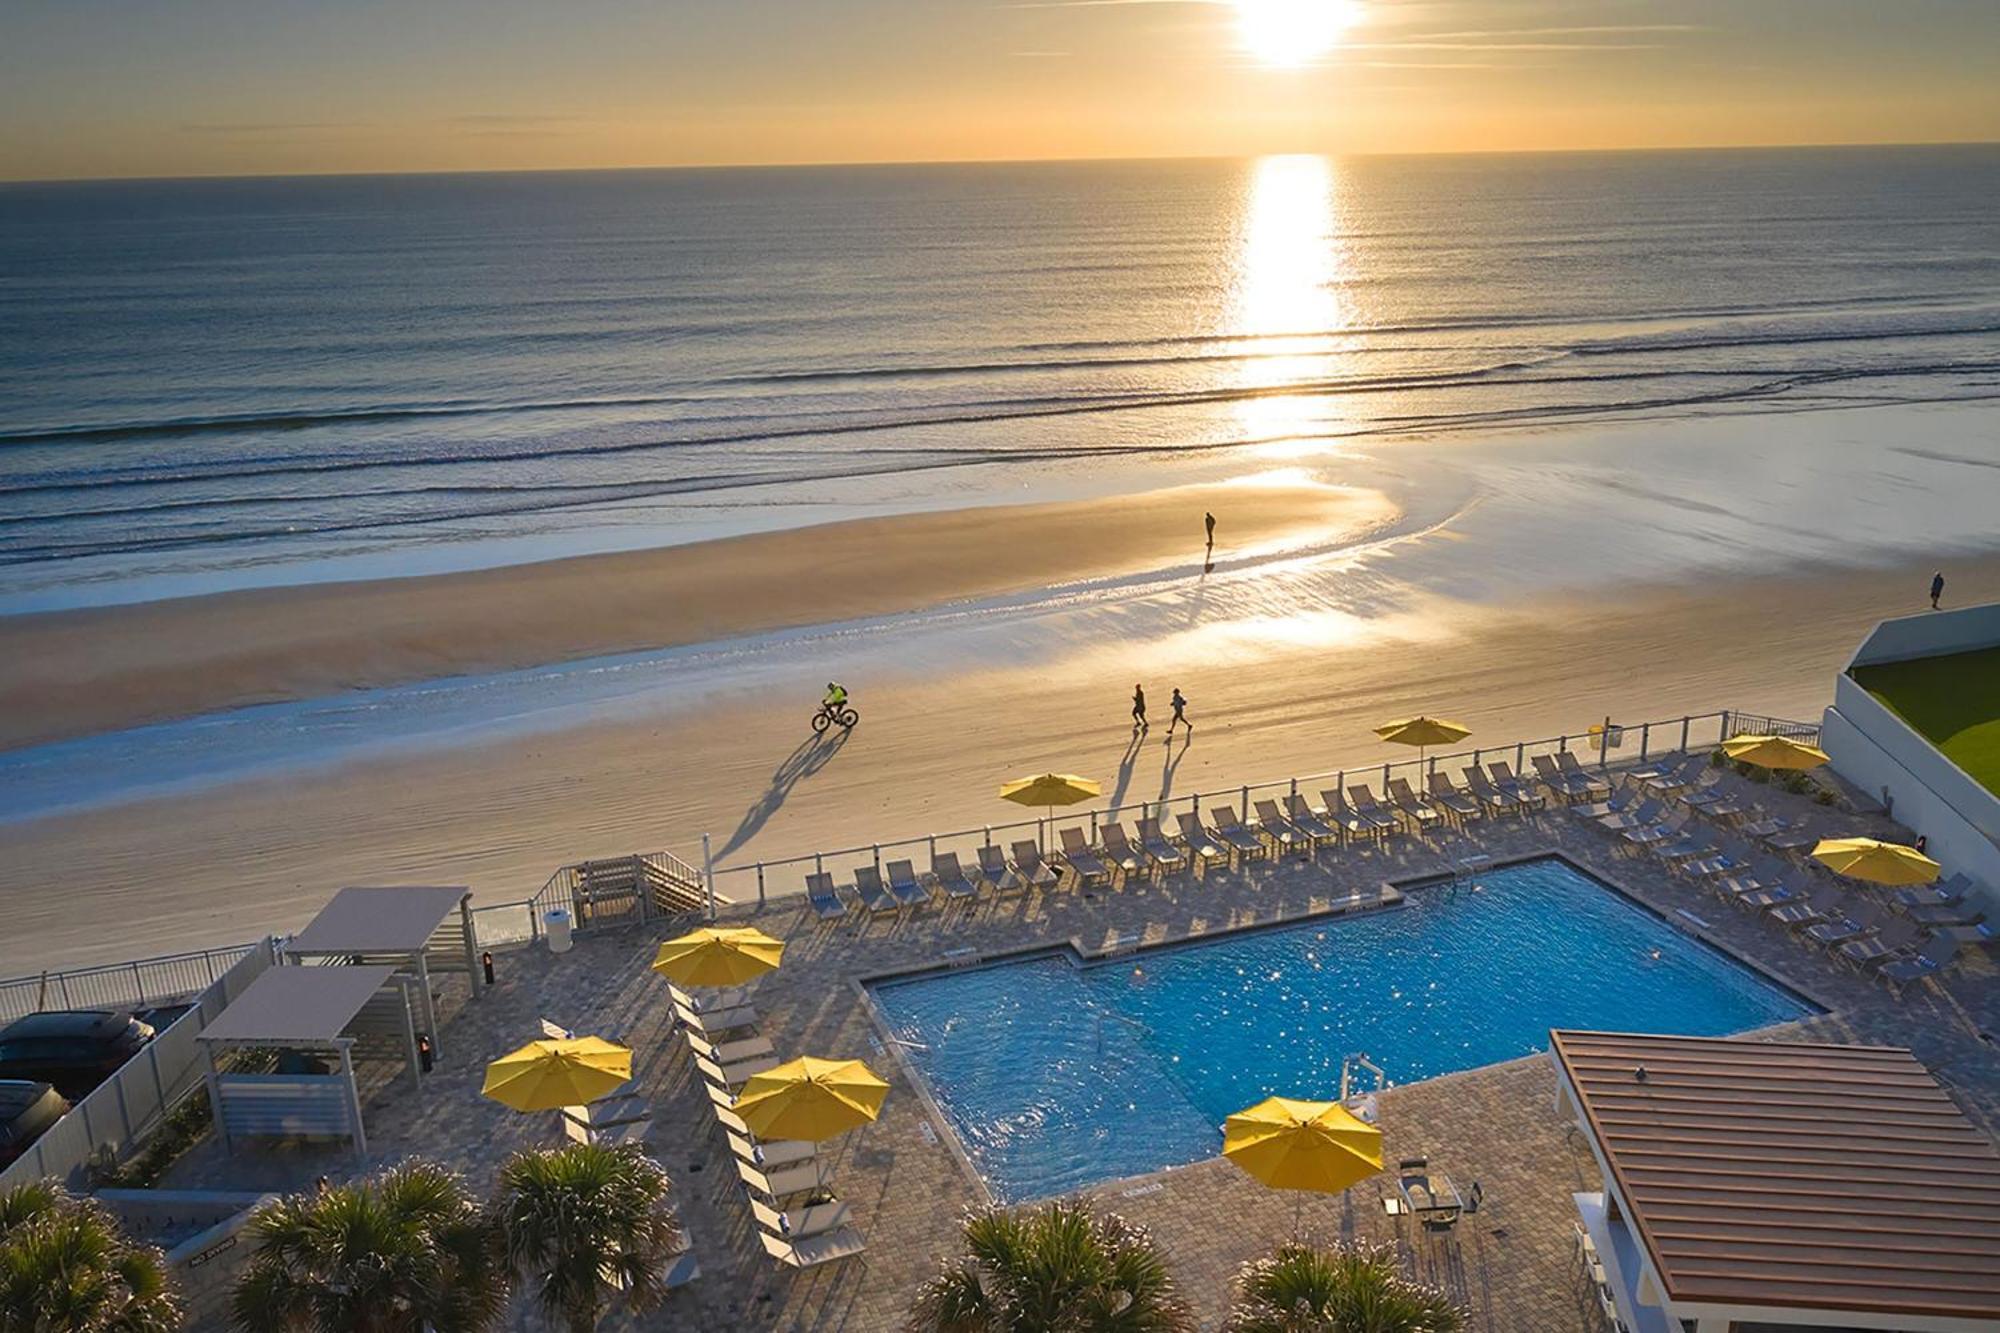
column 1293, row 32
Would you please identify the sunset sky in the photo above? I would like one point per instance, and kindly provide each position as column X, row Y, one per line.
column 196, row 87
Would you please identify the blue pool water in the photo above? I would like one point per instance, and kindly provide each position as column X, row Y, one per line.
column 1057, row 1076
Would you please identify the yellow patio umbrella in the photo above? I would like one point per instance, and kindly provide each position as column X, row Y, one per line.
column 1889, row 863
column 1296, row 1145
column 1422, row 732
column 718, row 956
column 812, row 1099
column 1774, row 752
column 1050, row 790
column 544, row 1075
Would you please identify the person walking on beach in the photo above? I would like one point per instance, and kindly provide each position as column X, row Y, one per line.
column 1937, row 588
column 1180, row 715
column 1208, row 521
column 1138, row 708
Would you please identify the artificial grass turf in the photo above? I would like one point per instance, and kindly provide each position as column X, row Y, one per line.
column 1953, row 702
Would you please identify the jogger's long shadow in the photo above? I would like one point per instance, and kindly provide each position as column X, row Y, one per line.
column 809, row 758
column 1125, row 766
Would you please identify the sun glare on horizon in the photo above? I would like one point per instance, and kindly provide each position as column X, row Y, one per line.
column 1290, row 33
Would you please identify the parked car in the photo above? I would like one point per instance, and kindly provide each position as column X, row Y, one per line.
column 27, row 1108
column 75, row 1049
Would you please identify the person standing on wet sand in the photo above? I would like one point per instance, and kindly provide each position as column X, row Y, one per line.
column 1180, row 715
column 1937, row 588
column 1138, row 708
column 1208, row 521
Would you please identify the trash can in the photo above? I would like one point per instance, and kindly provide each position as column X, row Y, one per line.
column 555, row 925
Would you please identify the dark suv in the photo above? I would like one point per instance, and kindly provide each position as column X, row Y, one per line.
column 74, row 1049
column 26, row 1110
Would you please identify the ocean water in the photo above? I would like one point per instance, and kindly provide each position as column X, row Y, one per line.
column 214, row 383
column 1056, row 1077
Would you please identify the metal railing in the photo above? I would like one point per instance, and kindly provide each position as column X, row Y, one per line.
column 1633, row 742
column 162, row 980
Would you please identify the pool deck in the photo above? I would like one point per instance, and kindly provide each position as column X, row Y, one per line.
column 1510, row 1263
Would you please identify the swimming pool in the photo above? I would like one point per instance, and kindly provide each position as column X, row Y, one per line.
column 1057, row 1076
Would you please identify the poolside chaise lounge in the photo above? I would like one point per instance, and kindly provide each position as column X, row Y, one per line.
column 1504, row 778
column 1415, row 808
column 826, row 902
column 1797, row 914
column 1891, row 941
column 1128, row 858
column 1781, row 893
column 813, row 1250
column 1300, row 812
column 1484, row 792
column 1648, row 811
column 1446, row 796
column 795, row 1224
column 1200, row 842
column 1028, row 863
column 948, row 875
column 1272, row 823
column 776, row 1185
column 1234, row 832
column 1942, row 915
column 1862, row 918
column 1676, row 777
column 1934, row 957
column 771, row 1156
column 1731, row 856
column 904, row 884
column 1082, row 858
column 712, row 1023
column 712, row 998
column 1657, row 834
column 1343, row 817
column 773, row 1152
column 727, row 1053
column 733, row 1076
column 875, row 897
column 1566, row 786
column 1778, row 834
column 1947, row 891
column 1594, row 784
column 1157, row 845
column 1004, row 878
column 1692, row 843
column 1618, row 803
column 1362, row 802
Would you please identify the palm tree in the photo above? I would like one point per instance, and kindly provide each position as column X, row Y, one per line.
column 1346, row 1289
column 1060, row 1268
column 578, row 1216
column 65, row 1265
column 401, row 1253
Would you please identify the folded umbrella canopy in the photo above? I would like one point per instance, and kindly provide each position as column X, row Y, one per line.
column 718, row 956
column 1295, row 1145
column 545, row 1075
column 1889, row 863
column 1774, row 752
column 811, row 1099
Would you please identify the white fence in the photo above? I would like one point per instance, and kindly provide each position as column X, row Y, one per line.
column 123, row 1108
column 165, row 979
column 1636, row 741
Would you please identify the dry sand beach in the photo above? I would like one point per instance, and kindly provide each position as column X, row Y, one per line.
column 226, row 864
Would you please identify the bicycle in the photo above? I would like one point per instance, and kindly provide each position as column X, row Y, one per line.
column 831, row 715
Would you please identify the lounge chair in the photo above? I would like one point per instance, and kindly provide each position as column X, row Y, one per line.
column 1157, row 845
column 1861, row 919
column 1780, row 894
column 774, row 1152
column 875, row 897
column 1504, row 778
column 1780, row 835
column 1731, row 858
column 1446, row 796
column 1707, row 791
column 1797, row 914
column 1934, row 957
column 1272, row 823
column 1595, row 785
column 727, row 1053
column 1938, row 915
column 1082, row 858
column 1201, row 844
column 827, row 904
column 1950, row 891
column 1484, row 792
column 712, row 1023
column 1234, row 832
column 1343, row 817
column 1128, row 858
column 813, row 1250
column 1678, row 777
column 1693, row 843
column 1300, row 812
column 1414, row 807
column 1891, row 941
column 1656, row 835
column 1431, row 1199
column 1648, row 811
column 904, row 884
column 1557, row 781
column 1362, row 802
column 1028, row 863
column 733, row 1076
column 1004, row 878
column 948, row 875
column 772, row 1156
column 711, row 998
column 1760, row 874
column 798, row 1223
column 776, row 1185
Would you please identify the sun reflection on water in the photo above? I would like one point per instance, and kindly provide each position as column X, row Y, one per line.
column 1288, row 303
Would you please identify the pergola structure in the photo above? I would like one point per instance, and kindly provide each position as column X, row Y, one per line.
column 419, row 930
column 322, row 1011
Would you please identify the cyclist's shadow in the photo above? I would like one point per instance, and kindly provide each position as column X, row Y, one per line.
column 812, row 754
